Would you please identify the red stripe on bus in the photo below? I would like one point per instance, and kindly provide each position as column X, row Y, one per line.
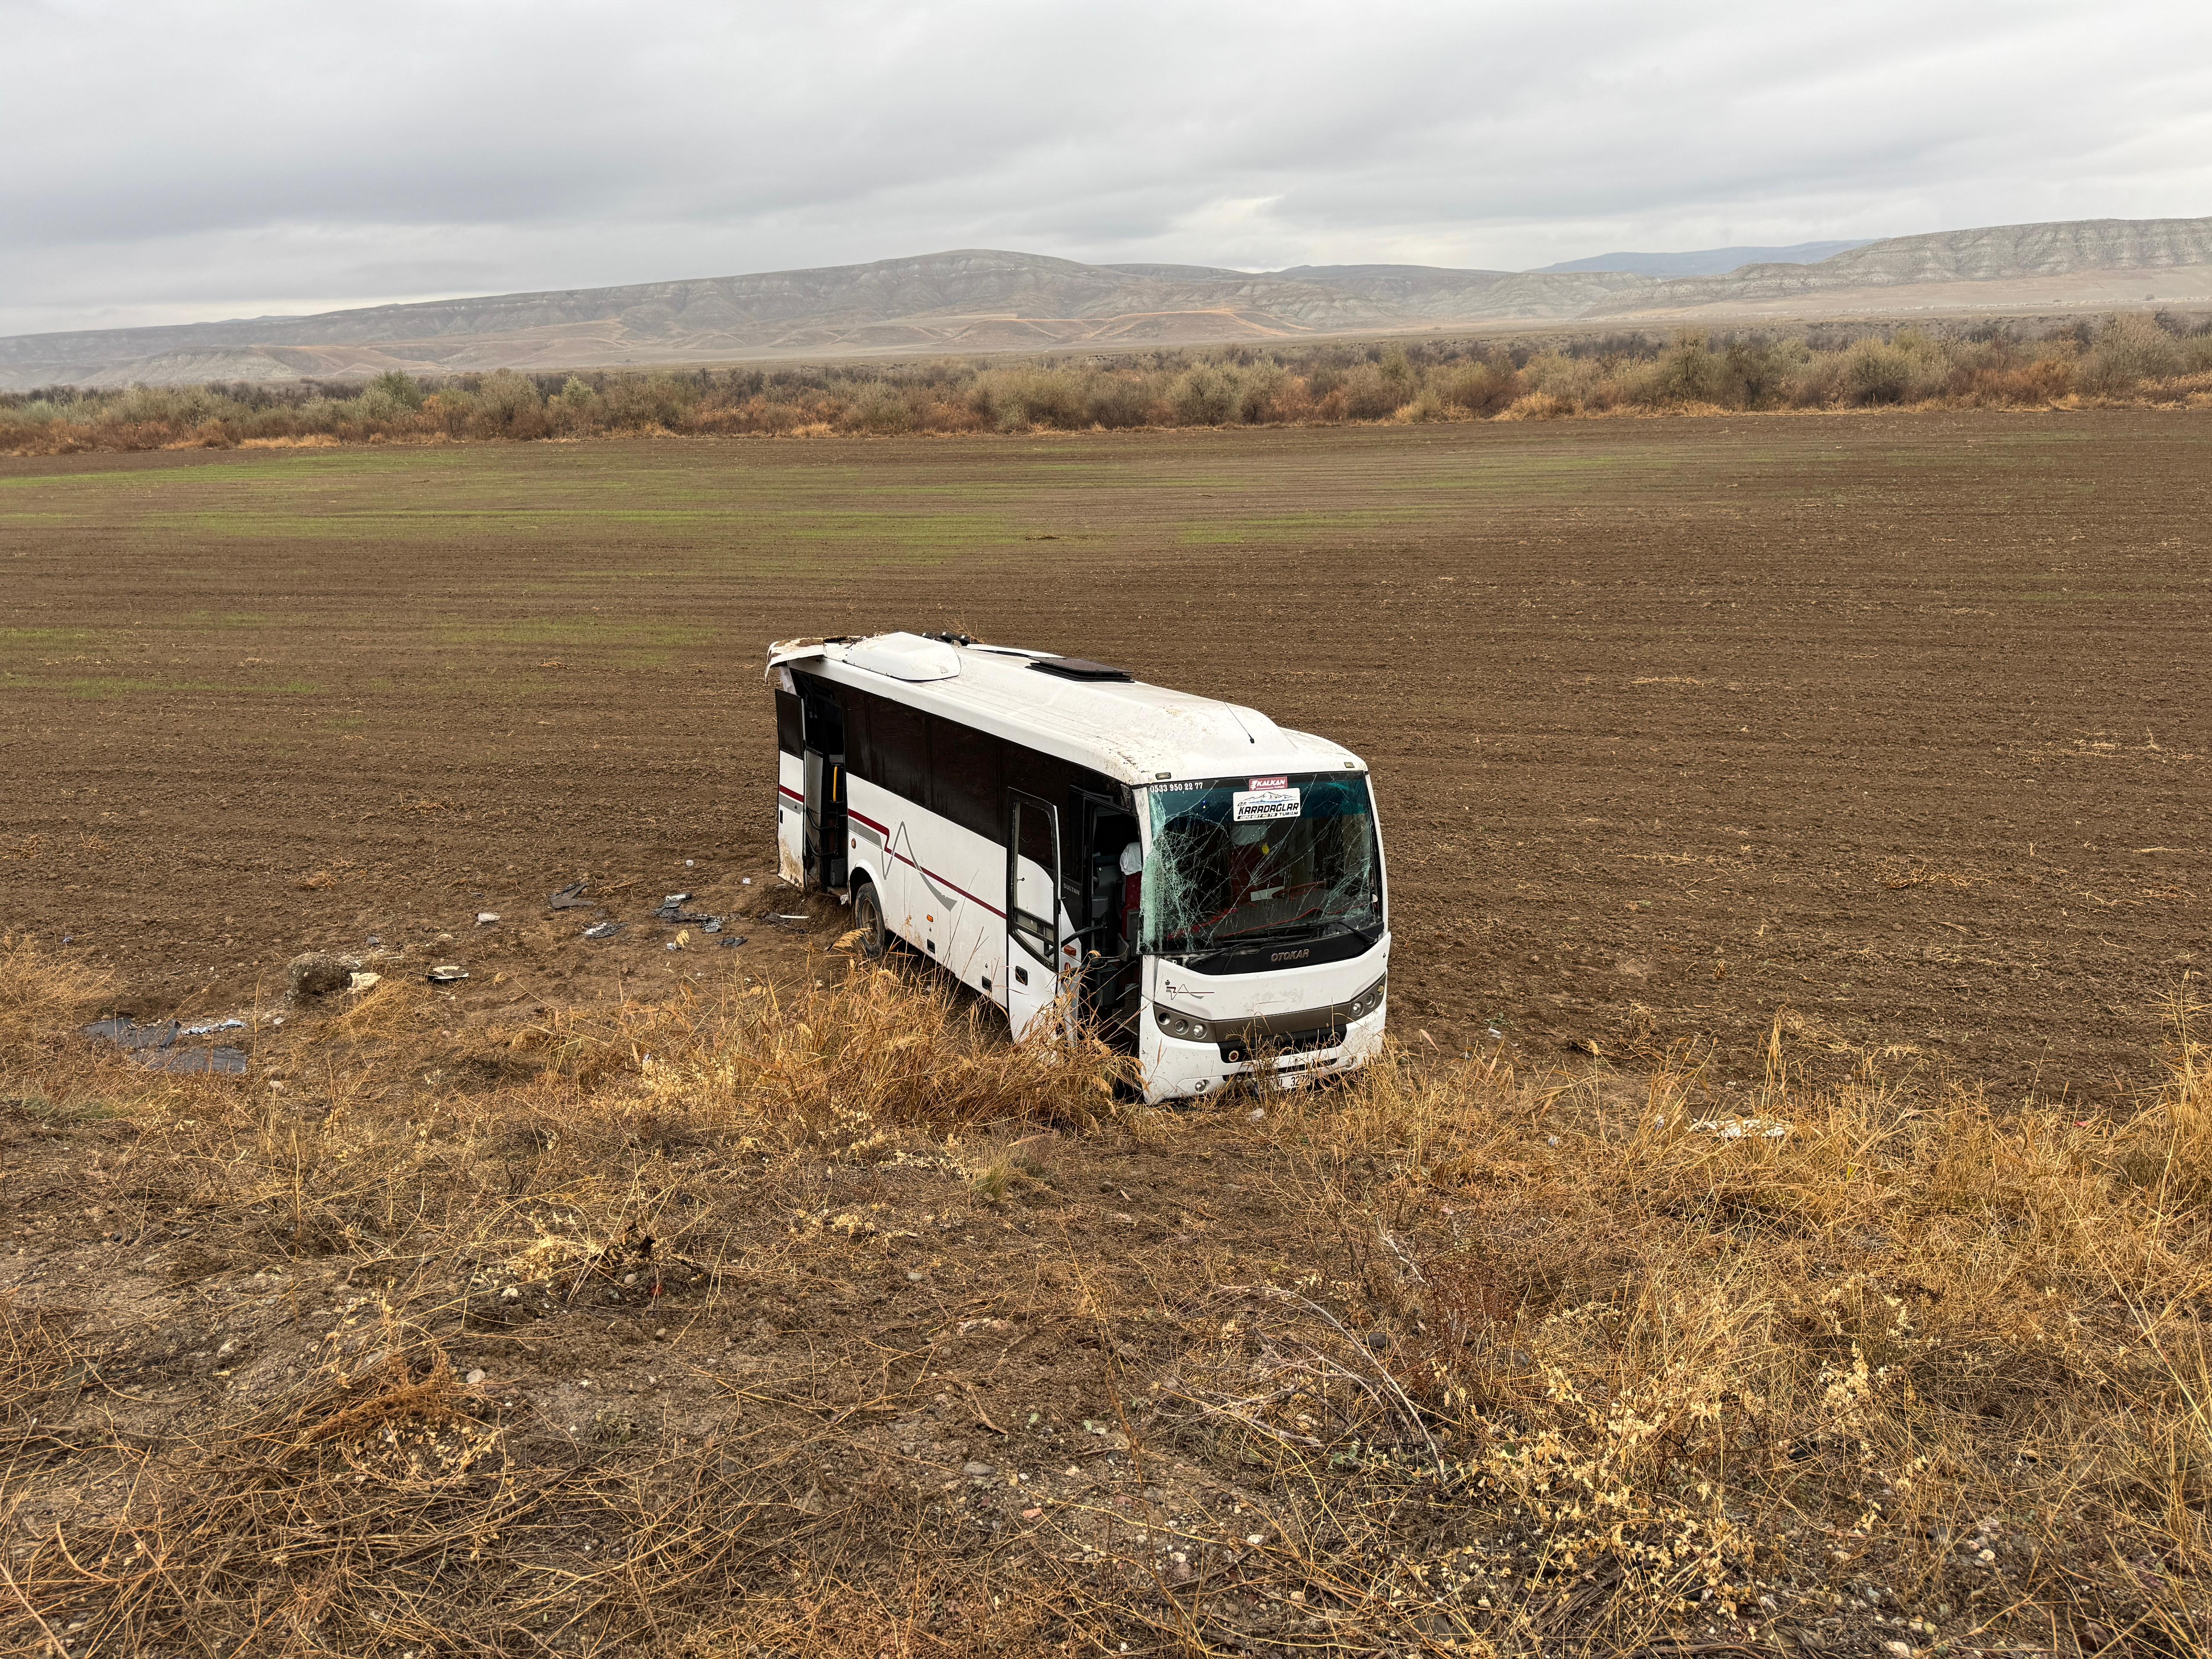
column 794, row 794
column 881, row 830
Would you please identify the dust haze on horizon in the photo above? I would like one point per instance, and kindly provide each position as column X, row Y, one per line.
column 194, row 161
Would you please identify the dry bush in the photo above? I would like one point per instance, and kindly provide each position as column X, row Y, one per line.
column 2131, row 348
column 1205, row 396
column 1677, row 1361
column 1482, row 388
column 847, row 1061
column 1556, row 1364
column 385, row 1506
column 2134, row 359
column 41, row 996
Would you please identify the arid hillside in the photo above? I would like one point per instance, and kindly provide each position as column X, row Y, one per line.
column 982, row 300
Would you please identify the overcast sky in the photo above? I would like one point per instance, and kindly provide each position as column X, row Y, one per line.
column 178, row 161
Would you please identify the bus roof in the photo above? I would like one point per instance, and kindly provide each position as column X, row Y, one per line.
column 1129, row 731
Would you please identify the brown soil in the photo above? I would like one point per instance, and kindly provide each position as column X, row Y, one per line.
column 1893, row 728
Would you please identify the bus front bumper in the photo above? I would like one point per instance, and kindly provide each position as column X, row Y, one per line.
column 1177, row 1070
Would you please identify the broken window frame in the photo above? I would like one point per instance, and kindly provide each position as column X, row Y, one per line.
column 1350, row 903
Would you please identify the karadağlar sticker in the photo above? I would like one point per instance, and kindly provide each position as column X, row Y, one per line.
column 1257, row 805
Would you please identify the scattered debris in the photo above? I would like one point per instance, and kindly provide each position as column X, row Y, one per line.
column 571, row 897
column 315, row 974
column 365, row 981
column 772, row 916
column 485, row 918
column 213, row 1026
column 126, row 1033
column 675, row 899
column 1737, row 1129
column 155, row 1046
column 713, row 925
column 733, row 941
column 602, row 930
column 447, row 973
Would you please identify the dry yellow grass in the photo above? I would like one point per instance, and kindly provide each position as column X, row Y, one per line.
column 1591, row 1365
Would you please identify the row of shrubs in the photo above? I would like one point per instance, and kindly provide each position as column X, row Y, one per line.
column 2126, row 358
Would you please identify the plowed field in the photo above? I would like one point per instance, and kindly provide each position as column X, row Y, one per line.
column 1892, row 730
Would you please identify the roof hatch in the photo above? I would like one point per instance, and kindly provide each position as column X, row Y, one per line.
column 1080, row 668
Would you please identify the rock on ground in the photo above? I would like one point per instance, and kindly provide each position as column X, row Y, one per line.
column 314, row 974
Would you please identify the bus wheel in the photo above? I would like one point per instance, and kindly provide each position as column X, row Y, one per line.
column 868, row 916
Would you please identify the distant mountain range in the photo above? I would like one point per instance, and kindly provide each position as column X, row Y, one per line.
column 980, row 301
column 1706, row 262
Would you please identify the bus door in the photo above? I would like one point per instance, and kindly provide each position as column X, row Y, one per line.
column 790, row 781
column 1107, row 939
column 824, row 758
column 1033, row 939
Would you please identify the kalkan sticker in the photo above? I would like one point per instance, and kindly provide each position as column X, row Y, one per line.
column 1252, row 805
column 1267, row 783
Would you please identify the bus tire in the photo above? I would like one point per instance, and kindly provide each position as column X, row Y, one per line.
column 868, row 917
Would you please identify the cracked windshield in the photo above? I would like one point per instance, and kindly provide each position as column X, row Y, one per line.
column 1256, row 861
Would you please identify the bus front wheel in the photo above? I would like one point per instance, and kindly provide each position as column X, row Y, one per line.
column 868, row 916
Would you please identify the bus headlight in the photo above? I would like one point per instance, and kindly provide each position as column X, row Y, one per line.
column 1182, row 1026
column 1368, row 1000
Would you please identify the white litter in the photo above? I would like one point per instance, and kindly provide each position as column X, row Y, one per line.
column 1737, row 1128
column 219, row 1025
column 485, row 918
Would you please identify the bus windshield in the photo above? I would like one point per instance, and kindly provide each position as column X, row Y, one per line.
column 1256, row 861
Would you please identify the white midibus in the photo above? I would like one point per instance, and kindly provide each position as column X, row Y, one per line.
column 1201, row 887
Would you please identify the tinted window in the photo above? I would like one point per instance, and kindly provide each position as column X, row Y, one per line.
column 887, row 743
column 787, row 723
column 964, row 766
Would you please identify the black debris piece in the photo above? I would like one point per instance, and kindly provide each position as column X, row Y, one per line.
column 571, row 897
column 126, row 1033
column 602, row 930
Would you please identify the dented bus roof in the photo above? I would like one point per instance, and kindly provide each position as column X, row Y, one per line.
column 1081, row 711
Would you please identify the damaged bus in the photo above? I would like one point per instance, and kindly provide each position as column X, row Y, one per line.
column 1199, row 886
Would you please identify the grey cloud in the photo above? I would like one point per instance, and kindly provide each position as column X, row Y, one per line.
column 214, row 160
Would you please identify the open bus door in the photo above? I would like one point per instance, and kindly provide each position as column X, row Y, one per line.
column 1032, row 911
column 1112, row 971
column 824, row 760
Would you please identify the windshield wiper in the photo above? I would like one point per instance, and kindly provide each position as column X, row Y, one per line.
column 1283, row 931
